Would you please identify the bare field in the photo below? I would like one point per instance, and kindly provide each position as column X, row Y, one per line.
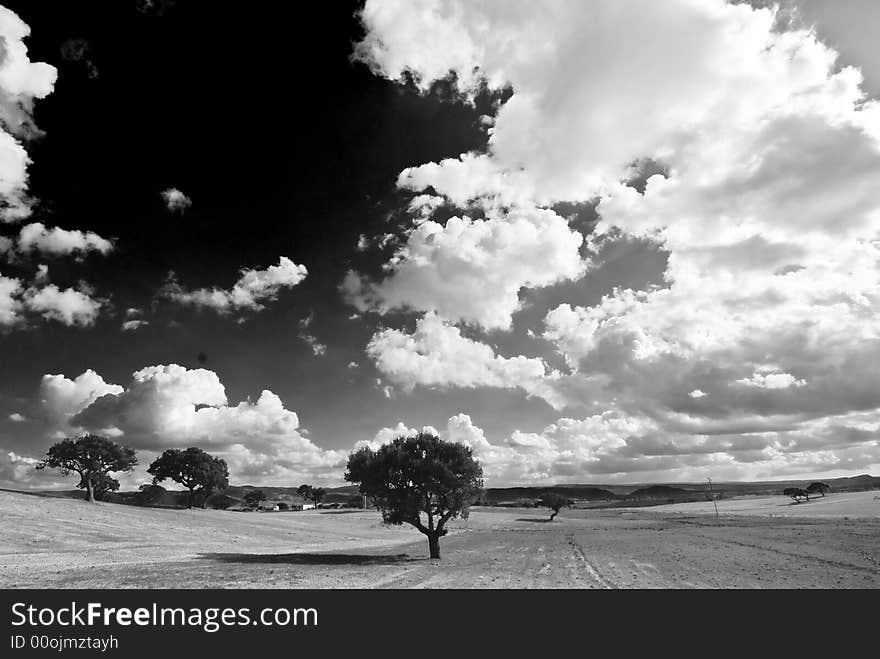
column 841, row 504
column 61, row 543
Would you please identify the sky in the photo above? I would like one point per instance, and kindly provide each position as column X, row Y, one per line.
column 608, row 242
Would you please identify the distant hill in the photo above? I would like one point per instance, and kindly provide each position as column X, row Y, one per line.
column 512, row 495
column 659, row 491
column 587, row 495
column 608, row 496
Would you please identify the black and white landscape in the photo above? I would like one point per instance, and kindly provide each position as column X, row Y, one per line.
column 584, row 291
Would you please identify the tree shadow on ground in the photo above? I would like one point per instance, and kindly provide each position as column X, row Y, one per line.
column 535, row 520
column 312, row 559
column 341, row 512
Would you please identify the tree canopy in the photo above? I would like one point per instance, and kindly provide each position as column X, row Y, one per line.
column 313, row 494
column 254, row 497
column 555, row 502
column 416, row 476
column 93, row 457
column 102, row 484
column 193, row 468
column 821, row 488
column 796, row 493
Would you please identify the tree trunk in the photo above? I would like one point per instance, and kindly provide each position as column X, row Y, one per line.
column 189, row 503
column 434, row 545
column 90, row 490
column 554, row 514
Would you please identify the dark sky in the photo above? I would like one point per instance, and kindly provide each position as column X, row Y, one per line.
column 285, row 147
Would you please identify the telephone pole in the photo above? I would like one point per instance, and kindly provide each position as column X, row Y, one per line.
column 714, row 503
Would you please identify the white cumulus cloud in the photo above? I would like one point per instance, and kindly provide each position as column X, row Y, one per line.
column 175, row 200
column 437, row 354
column 57, row 241
column 766, row 207
column 21, row 83
column 171, row 406
column 473, row 270
column 69, row 306
column 253, row 288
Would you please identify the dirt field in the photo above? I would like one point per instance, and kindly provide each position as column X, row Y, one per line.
column 60, row 543
column 841, row 504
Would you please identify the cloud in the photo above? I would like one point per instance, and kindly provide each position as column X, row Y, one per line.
column 69, row 306
column 616, row 448
column 250, row 291
column 61, row 398
column 57, row 241
column 436, row 354
column 390, row 433
column 18, row 470
column 155, row 7
column 318, row 349
column 772, row 381
column 566, row 130
column 472, row 270
column 765, row 161
column 131, row 325
column 170, row 406
column 10, row 304
column 21, row 82
column 175, row 200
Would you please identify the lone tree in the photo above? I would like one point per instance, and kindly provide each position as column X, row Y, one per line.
column 821, row 488
column 796, row 493
column 317, row 495
column 254, row 497
column 555, row 502
column 313, row 494
column 93, row 457
column 416, row 475
column 196, row 470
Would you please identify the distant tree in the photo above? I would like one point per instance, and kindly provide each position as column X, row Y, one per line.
column 93, row 457
column 418, row 475
column 149, row 494
column 821, row 488
column 254, row 497
column 317, row 495
column 283, row 506
column 796, row 493
column 313, row 494
column 196, row 470
column 555, row 502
